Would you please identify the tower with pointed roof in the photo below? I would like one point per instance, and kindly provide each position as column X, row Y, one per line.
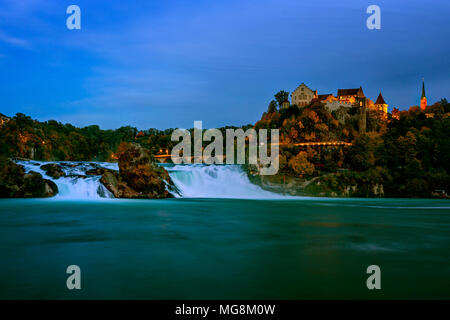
column 380, row 104
column 423, row 98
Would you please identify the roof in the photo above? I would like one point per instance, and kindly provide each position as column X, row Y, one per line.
column 302, row 84
column 380, row 100
column 347, row 92
column 324, row 96
column 423, row 90
column 351, row 92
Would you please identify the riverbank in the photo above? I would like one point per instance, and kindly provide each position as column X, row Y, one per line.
column 343, row 184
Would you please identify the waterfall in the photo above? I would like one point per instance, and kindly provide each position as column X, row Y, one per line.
column 192, row 181
column 76, row 184
column 216, row 181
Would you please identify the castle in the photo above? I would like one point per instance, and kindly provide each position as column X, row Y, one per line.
column 303, row 96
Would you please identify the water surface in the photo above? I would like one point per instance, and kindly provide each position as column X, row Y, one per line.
column 224, row 248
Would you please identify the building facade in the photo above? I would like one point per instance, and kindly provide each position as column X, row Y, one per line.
column 285, row 104
column 302, row 96
column 345, row 98
column 350, row 96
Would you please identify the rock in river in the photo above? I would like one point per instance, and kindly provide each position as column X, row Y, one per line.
column 15, row 183
column 138, row 176
column 53, row 170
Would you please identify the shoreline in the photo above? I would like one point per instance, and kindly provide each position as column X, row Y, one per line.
column 291, row 186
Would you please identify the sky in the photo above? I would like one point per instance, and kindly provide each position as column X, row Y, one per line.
column 163, row 64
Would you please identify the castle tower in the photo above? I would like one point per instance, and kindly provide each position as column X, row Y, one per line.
column 380, row 104
column 423, row 98
column 362, row 117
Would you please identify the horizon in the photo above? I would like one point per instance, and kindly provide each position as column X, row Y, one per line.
column 165, row 65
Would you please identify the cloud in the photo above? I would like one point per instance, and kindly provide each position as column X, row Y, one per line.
column 14, row 41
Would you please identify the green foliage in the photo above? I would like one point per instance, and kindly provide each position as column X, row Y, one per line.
column 272, row 106
column 300, row 165
column 281, row 96
column 52, row 140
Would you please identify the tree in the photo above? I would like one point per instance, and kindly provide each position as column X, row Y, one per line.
column 272, row 107
column 281, row 97
column 300, row 164
column 358, row 155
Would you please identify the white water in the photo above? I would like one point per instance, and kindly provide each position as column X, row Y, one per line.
column 73, row 186
column 216, row 181
column 192, row 181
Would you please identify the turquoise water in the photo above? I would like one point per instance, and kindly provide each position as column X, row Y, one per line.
column 224, row 248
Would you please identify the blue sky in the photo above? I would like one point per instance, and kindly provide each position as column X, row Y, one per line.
column 166, row 63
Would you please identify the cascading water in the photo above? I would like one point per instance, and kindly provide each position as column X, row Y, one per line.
column 216, row 181
column 192, row 181
column 75, row 184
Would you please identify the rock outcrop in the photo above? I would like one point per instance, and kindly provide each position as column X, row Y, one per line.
column 53, row 170
column 138, row 176
column 96, row 171
column 348, row 184
column 15, row 183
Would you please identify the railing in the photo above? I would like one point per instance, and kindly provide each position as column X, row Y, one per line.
column 318, row 144
column 301, row 144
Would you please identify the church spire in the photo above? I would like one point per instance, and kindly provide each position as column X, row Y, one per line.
column 423, row 89
column 423, row 98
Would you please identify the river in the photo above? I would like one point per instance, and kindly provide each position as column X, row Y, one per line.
column 203, row 246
